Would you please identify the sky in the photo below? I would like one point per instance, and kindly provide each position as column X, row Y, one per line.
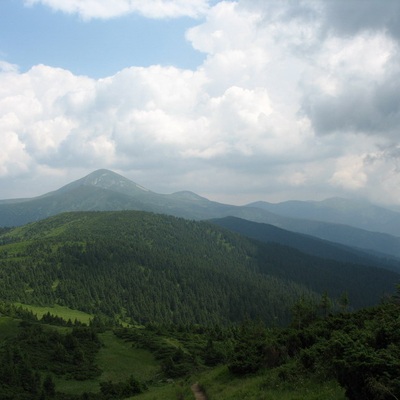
column 237, row 101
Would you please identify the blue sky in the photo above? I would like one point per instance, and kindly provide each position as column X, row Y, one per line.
column 31, row 35
column 237, row 101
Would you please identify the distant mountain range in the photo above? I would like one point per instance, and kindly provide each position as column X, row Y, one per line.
column 359, row 214
column 354, row 224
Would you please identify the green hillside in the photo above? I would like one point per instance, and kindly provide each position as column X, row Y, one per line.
column 307, row 244
column 337, row 356
column 136, row 305
column 141, row 267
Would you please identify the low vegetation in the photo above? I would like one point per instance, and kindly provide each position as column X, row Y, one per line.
column 336, row 356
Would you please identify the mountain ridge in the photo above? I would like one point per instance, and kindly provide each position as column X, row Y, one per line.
column 305, row 243
column 104, row 190
column 360, row 214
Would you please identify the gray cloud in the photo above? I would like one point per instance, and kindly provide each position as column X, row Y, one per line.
column 352, row 83
column 353, row 17
column 364, row 108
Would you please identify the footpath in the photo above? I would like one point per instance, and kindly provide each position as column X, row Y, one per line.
column 198, row 392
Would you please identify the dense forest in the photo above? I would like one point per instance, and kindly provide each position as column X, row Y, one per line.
column 140, row 267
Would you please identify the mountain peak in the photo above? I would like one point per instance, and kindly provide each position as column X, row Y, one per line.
column 106, row 179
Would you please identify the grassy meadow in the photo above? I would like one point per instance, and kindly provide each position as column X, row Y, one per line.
column 118, row 361
column 65, row 313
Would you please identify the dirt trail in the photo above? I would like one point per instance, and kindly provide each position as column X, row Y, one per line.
column 198, row 392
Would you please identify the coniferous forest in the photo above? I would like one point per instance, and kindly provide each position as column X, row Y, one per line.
column 180, row 301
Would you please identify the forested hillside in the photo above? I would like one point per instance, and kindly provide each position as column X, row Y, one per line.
column 307, row 244
column 142, row 267
column 170, row 302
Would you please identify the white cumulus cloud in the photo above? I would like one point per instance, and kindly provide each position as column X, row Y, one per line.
column 289, row 102
column 104, row 9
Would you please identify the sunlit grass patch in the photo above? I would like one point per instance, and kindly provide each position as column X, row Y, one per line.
column 119, row 360
column 65, row 313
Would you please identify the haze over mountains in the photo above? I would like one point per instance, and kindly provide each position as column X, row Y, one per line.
column 360, row 214
column 359, row 225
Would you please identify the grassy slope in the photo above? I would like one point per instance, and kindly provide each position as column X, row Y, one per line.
column 65, row 313
column 177, row 390
column 119, row 360
column 220, row 384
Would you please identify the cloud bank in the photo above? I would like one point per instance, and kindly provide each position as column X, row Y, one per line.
column 294, row 100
